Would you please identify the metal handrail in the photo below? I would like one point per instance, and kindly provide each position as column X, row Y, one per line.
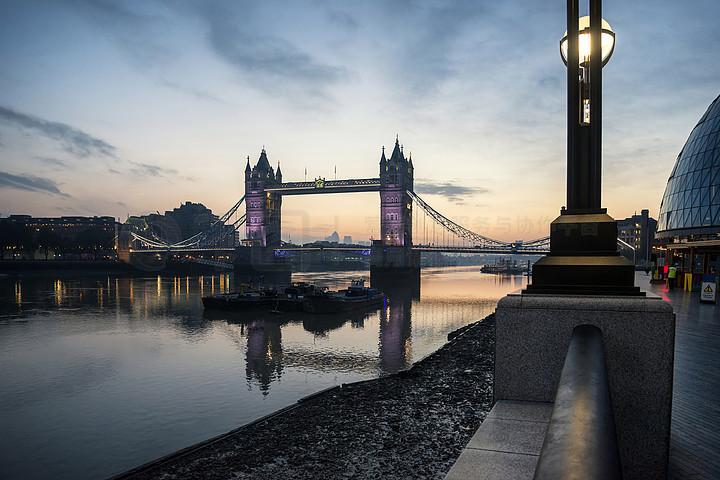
column 624, row 244
column 580, row 442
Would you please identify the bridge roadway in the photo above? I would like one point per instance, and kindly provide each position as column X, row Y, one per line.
column 363, row 251
column 483, row 249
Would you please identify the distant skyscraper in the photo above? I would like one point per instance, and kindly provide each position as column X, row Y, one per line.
column 347, row 239
column 334, row 238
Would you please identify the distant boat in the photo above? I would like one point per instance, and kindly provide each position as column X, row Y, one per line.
column 493, row 269
column 504, row 269
column 356, row 296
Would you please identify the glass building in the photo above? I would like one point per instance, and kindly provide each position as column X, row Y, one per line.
column 688, row 234
column 691, row 203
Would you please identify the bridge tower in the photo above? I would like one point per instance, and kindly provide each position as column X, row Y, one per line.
column 396, row 178
column 262, row 209
column 392, row 254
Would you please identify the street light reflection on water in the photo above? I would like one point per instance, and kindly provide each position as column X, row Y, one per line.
column 101, row 374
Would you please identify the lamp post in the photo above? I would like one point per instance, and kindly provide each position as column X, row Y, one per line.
column 583, row 254
column 584, row 60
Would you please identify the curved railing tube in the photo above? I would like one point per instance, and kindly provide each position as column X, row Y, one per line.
column 580, row 442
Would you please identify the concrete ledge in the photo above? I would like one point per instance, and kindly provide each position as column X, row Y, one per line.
column 507, row 444
column 649, row 303
column 532, row 337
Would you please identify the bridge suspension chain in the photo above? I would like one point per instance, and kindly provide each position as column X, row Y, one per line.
column 148, row 241
column 216, row 231
column 538, row 242
column 454, row 228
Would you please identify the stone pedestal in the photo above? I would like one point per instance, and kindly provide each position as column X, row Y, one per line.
column 532, row 337
column 583, row 258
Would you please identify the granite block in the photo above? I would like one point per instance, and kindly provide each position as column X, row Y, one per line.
column 649, row 303
column 510, row 436
column 490, row 465
column 532, row 336
column 523, row 411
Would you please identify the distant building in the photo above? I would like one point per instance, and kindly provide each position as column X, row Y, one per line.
column 347, row 240
column 181, row 223
column 190, row 219
column 639, row 232
column 334, row 238
column 66, row 227
column 52, row 237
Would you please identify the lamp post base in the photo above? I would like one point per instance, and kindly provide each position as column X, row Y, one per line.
column 583, row 259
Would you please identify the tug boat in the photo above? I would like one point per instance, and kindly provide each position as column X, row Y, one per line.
column 356, row 296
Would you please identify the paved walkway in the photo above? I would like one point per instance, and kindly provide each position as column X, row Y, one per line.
column 695, row 425
column 507, row 444
column 695, row 430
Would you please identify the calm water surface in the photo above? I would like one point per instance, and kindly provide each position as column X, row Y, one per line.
column 99, row 374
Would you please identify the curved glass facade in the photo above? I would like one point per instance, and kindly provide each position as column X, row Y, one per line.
column 691, row 203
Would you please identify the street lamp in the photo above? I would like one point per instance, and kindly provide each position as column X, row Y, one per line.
column 607, row 42
column 607, row 46
column 585, row 48
column 583, row 256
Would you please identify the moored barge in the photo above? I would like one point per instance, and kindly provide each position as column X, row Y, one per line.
column 356, row 296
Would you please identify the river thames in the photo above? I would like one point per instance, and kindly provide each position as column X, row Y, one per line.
column 103, row 373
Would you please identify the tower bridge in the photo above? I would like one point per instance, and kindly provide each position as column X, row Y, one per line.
column 260, row 243
column 264, row 190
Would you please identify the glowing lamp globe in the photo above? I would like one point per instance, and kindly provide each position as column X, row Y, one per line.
column 607, row 42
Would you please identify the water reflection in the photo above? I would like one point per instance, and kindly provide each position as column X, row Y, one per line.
column 395, row 331
column 136, row 362
column 264, row 358
column 178, row 297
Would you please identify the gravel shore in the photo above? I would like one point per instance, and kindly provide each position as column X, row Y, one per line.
column 412, row 425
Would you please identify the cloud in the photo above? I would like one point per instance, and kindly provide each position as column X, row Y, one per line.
column 194, row 92
column 73, row 141
column 272, row 63
column 30, row 183
column 51, row 161
column 436, row 36
column 343, row 19
column 139, row 30
column 452, row 191
column 145, row 170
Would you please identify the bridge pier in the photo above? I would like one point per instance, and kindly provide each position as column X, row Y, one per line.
column 393, row 261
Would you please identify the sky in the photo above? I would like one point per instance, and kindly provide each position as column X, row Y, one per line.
column 131, row 107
